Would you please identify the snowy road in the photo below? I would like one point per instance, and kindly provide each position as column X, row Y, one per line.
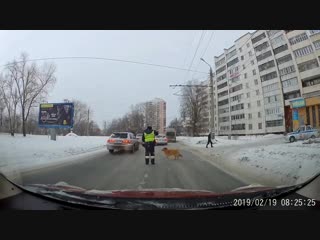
column 104, row 171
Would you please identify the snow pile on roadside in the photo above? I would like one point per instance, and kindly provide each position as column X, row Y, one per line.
column 223, row 140
column 285, row 163
column 18, row 152
column 71, row 135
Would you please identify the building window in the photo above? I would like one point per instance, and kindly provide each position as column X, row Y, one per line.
column 232, row 62
column 248, row 45
column 291, row 95
column 287, row 70
column 258, row 103
column 278, row 40
column 240, row 49
column 259, row 114
column 223, row 102
column 221, row 77
column 272, row 99
column 312, row 32
column 250, row 53
column 260, row 125
column 250, row 126
column 290, row 82
column 237, row 107
column 237, row 97
column 220, row 62
column 270, row 87
column 222, row 85
column 280, row 49
column 264, row 55
column 243, row 66
column 222, row 94
column 316, row 44
column 311, row 82
column 238, row 126
column 245, row 76
column 299, row 38
column 254, row 72
column 266, row 65
column 274, row 123
column 250, row 115
column 269, row 76
column 256, row 81
column 224, row 119
column 303, row 51
column 252, row 62
column 258, row 38
column 273, row 32
column 242, row 57
column 238, row 116
column 272, row 111
column 308, row 65
column 236, row 88
column 231, row 54
column 284, row 59
column 224, row 110
column 249, row 105
column 248, row 95
column 220, row 70
column 260, row 47
column 247, row 85
column 257, row 92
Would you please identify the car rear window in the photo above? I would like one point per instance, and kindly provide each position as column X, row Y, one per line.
column 119, row 135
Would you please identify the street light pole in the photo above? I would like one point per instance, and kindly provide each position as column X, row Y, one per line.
column 211, row 98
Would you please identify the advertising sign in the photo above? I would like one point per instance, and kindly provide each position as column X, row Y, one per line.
column 298, row 103
column 56, row 115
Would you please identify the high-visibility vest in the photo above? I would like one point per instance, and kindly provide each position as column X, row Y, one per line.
column 149, row 137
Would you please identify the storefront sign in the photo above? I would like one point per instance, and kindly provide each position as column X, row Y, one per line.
column 298, row 103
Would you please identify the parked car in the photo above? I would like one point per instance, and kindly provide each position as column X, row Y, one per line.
column 139, row 137
column 122, row 141
column 303, row 133
column 161, row 139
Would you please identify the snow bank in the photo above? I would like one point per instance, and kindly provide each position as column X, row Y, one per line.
column 224, row 141
column 20, row 152
column 286, row 163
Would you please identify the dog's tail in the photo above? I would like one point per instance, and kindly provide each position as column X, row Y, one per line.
column 180, row 155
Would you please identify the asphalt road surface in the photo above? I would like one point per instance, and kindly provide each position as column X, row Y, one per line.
column 122, row 170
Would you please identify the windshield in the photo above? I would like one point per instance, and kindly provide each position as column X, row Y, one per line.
column 119, row 135
column 78, row 108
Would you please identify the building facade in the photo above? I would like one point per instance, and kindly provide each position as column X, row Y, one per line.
column 258, row 79
column 156, row 114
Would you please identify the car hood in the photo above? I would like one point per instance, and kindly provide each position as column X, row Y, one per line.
column 163, row 198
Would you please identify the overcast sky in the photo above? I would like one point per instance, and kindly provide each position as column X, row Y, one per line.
column 111, row 87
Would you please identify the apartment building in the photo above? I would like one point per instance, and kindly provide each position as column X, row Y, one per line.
column 268, row 82
column 155, row 114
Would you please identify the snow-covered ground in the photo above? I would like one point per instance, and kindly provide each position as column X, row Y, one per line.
column 267, row 160
column 23, row 153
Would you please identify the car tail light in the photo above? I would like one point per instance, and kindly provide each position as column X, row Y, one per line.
column 126, row 141
column 111, row 140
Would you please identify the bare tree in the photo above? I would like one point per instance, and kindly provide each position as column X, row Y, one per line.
column 32, row 83
column 10, row 98
column 192, row 106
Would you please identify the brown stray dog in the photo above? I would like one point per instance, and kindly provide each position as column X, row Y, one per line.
column 171, row 152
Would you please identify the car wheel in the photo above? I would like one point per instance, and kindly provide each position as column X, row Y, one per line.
column 111, row 150
column 137, row 147
column 313, row 136
column 292, row 139
column 132, row 150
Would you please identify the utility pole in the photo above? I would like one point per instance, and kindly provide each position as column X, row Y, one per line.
column 88, row 122
column 211, row 99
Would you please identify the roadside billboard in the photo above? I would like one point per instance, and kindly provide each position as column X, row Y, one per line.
column 56, row 115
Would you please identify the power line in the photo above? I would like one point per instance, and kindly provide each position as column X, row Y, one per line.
column 194, row 55
column 105, row 59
